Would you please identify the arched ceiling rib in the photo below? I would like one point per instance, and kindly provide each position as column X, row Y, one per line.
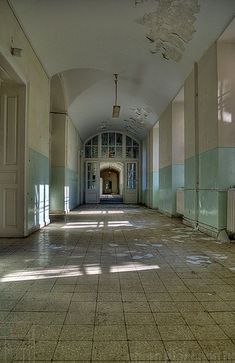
column 86, row 41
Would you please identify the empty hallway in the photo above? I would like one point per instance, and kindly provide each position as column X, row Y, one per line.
column 117, row 283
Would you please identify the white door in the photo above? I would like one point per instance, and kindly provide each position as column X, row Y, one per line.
column 12, row 159
column 92, row 182
column 131, row 183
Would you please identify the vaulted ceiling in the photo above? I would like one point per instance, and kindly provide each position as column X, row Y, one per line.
column 151, row 44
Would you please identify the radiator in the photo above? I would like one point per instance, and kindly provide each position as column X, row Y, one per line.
column 180, row 201
column 231, row 211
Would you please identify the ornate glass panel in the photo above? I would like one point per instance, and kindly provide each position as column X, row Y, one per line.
column 104, row 139
column 91, row 176
column 111, row 139
column 118, row 139
column 118, row 151
column 131, row 176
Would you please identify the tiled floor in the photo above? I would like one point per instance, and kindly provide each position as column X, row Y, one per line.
column 115, row 283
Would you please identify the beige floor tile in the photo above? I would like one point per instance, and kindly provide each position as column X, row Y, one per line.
column 190, row 306
column 79, row 318
column 182, row 351
column 77, row 332
column 14, row 330
column 161, row 296
column 207, row 296
column 147, row 351
column 110, row 318
column 218, row 350
column 82, row 307
column 44, row 332
column 36, row 350
column 216, row 306
column 198, row 318
column 9, row 349
column 109, row 307
column 110, row 333
column 139, row 318
column 208, row 332
column 175, row 332
column 136, row 307
column 85, row 296
column 109, row 296
column 38, row 318
column 7, row 305
column 163, row 306
column 169, row 319
column 223, row 317
column 134, row 296
column 183, row 296
column 229, row 330
column 143, row 332
column 112, row 351
column 70, row 350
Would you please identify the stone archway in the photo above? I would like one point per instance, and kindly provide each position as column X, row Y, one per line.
column 111, row 180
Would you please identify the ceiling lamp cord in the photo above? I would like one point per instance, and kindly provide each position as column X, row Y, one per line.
column 116, row 82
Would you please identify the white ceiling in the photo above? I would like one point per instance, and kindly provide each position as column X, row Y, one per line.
column 90, row 40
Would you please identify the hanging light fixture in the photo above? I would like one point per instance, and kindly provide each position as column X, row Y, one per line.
column 116, row 108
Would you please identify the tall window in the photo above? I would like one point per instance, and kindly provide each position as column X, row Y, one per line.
column 91, row 148
column 132, row 148
column 111, row 145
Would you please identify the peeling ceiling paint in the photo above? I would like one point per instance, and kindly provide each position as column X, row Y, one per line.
column 171, row 26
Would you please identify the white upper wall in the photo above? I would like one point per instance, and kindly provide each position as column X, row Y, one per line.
column 226, row 93
column 32, row 74
column 177, row 133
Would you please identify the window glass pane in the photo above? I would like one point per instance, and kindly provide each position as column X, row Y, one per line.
column 128, row 141
column 91, row 175
column 131, row 176
column 95, row 140
column 129, row 152
column 88, row 152
column 95, row 151
column 112, row 152
column 119, row 139
column 104, row 151
column 112, row 138
column 118, row 152
column 88, row 142
column 135, row 152
column 105, row 139
column 135, row 143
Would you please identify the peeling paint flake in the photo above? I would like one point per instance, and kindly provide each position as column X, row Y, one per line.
column 170, row 26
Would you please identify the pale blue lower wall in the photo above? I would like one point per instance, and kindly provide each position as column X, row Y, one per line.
column 155, row 178
column 144, row 189
column 170, row 178
column 57, row 182
column 190, row 198
column 38, row 190
column 216, row 175
column 63, row 189
column 71, row 182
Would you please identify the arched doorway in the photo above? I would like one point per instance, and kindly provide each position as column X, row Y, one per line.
column 111, row 182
